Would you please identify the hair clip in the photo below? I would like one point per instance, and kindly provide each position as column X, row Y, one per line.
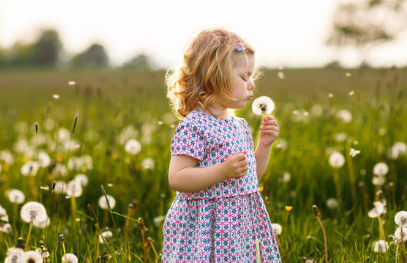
column 240, row 47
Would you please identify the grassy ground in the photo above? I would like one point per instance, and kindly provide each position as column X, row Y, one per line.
column 116, row 105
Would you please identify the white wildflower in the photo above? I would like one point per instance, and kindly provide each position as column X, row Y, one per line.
column 397, row 234
column 332, row 203
column 147, row 163
column 30, row 168
column 401, row 218
column 33, row 211
column 103, row 204
column 336, row 160
column 82, row 179
column 380, row 169
column 32, row 256
column 15, row 196
column 106, row 235
column 132, row 146
column 277, row 228
column 70, row 258
column 377, row 211
column 263, row 105
column 380, row 246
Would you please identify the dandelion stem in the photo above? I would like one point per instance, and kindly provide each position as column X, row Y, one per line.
column 280, row 248
column 351, row 172
column 127, row 232
column 317, row 214
column 338, row 189
column 73, row 208
column 402, row 243
column 381, row 230
column 28, row 236
column 144, row 245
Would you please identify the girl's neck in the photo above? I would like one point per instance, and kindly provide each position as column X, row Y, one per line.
column 217, row 111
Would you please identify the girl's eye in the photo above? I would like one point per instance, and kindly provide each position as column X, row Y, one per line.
column 244, row 78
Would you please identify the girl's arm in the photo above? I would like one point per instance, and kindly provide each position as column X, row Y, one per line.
column 184, row 177
column 268, row 134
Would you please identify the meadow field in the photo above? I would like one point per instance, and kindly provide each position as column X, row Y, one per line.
column 342, row 147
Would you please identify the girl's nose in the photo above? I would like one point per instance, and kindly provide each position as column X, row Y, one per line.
column 250, row 85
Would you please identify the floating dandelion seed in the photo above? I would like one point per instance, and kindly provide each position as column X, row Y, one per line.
column 397, row 234
column 32, row 257
column 280, row 75
column 354, row 152
column 71, row 83
column 348, row 74
column 330, row 95
column 32, row 210
column 132, row 146
column 377, row 211
column 336, row 160
column 351, row 93
column 55, row 96
column 380, row 169
column 70, row 258
column 263, row 105
column 401, row 219
column 105, row 236
column 380, row 246
column 277, row 228
column 103, row 204
column 16, row 196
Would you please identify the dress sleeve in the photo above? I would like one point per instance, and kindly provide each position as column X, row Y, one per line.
column 188, row 140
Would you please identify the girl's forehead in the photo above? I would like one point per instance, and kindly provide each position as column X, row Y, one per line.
column 245, row 62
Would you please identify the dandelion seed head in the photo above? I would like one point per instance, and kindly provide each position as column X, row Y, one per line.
column 74, row 189
column 110, row 185
column 398, row 233
column 148, row 163
column 158, row 220
column 401, row 219
column 344, row 115
column 263, row 105
column 280, row 75
column 348, row 74
column 32, row 210
column 277, row 228
column 32, row 256
column 354, row 152
column 82, row 179
column 351, row 93
column 132, row 146
column 71, row 83
column 103, row 204
column 106, row 235
column 55, row 96
column 59, row 187
column 398, row 148
column 42, row 224
column 16, row 196
column 380, row 246
column 377, row 211
column 330, row 95
column 6, row 228
column 30, row 168
column 380, row 169
column 336, row 160
column 378, row 180
column 70, row 258
column 286, row 177
column 332, row 203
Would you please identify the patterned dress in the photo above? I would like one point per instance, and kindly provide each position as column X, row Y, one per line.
column 222, row 222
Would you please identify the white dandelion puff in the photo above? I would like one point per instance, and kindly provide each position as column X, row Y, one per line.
column 377, row 211
column 332, row 203
column 6, row 228
column 336, row 160
column 30, row 168
column 280, row 75
column 380, row 169
column 14, row 255
column 16, row 196
column 74, row 189
column 286, row 177
column 32, row 256
column 70, row 258
column 71, row 83
column 401, row 219
column 31, row 211
column 344, row 115
column 43, row 159
column 60, row 187
column 398, row 148
column 348, row 74
column 132, row 146
column 378, row 180
column 330, row 95
column 158, row 220
column 397, row 234
column 147, row 163
column 380, row 246
column 105, row 236
column 103, row 204
column 42, row 224
column 82, row 179
column 55, row 96
column 277, row 228
column 354, row 152
column 263, row 105
column 351, row 93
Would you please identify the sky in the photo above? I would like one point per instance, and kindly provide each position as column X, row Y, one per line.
column 288, row 33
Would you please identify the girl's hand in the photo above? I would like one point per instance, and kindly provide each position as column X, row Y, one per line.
column 268, row 131
column 235, row 166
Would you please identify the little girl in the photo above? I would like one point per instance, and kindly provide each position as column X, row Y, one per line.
column 218, row 212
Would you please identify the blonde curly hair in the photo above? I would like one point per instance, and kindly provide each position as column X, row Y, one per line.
column 205, row 74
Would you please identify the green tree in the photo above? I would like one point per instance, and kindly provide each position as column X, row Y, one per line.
column 366, row 24
column 47, row 48
column 139, row 61
column 94, row 56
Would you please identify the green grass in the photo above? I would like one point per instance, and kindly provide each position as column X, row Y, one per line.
column 108, row 101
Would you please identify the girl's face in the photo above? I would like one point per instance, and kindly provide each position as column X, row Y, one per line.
column 241, row 82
